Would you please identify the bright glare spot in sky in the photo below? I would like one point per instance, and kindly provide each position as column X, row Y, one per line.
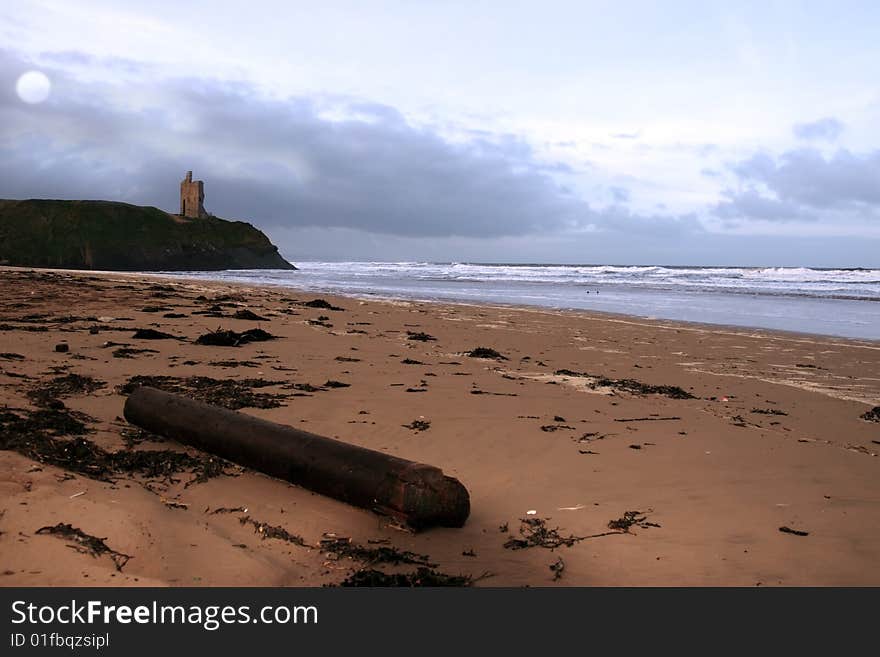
column 33, row 87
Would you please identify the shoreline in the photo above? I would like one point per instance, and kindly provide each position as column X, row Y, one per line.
column 599, row 315
column 576, row 424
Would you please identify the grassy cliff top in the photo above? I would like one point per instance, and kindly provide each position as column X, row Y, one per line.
column 113, row 235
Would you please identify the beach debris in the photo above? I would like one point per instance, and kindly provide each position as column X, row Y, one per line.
column 152, row 334
column 62, row 347
column 227, row 509
column 557, row 568
column 768, row 411
column 555, row 427
column 535, row 533
column 635, row 446
column 174, row 315
column 468, row 553
column 871, row 416
column 647, row 419
column 628, row 385
column 8, row 355
column 226, row 338
column 347, row 359
column 265, row 530
column 485, row 352
column 415, row 493
column 249, row 315
column 130, row 352
column 46, row 393
column 75, row 495
column 631, row 519
column 424, row 576
column 319, row 303
column 419, row 336
column 233, row 363
column 410, row 361
column 577, row 507
column 37, row 434
column 418, row 425
column 229, row 393
column 341, row 547
column 336, row 384
column 796, row 532
column 85, row 543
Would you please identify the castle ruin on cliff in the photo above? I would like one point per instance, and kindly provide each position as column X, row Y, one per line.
column 192, row 197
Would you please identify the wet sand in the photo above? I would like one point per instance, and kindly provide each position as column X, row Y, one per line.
column 584, row 421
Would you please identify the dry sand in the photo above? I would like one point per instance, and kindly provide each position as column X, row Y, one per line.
column 713, row 485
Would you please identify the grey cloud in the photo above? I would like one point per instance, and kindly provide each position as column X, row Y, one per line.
column 807, row 177
column 804, row 185
column 619, row 194
column 827, row 128
column 751, row 204
column 281, row 163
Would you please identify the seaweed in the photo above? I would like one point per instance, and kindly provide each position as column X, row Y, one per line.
column 152, row 334
column 535, row 533
column 768, row 411
column 318, row 303
column 233, row 363
column 347, row 359
column 229, row 393
column 872, row 416
column 249, row 315
column 131, row 352
column 420, row 336
column 631, row 519
column 62, row 386
column 37, row 435
column 418, row 425
column 485, row 352
column 336, row 384
column 11, row 356
column 557, row 568
column 410, row 361
column 629, row 385
column 225, row 338
column 424, row 576
column 795, row 532
column 85, row 543
column 265, row 530
column 342, row 547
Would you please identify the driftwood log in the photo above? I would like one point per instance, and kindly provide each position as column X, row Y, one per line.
column 416, row 493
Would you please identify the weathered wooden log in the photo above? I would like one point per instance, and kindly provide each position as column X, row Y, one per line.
column 418, row 494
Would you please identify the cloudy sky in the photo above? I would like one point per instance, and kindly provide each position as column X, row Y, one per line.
column 592, row 132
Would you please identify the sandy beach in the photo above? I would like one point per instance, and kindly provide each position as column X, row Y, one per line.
column 640, row 453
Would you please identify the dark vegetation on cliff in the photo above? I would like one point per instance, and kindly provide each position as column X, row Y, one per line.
column 122, row 237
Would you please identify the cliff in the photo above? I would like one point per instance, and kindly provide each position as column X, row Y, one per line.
column 122, row 237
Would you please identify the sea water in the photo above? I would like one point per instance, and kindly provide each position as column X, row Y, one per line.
column 839, row 302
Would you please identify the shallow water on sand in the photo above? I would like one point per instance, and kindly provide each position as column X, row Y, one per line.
column 840, row 302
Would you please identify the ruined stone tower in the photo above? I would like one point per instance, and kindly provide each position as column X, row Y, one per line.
column 192, row 197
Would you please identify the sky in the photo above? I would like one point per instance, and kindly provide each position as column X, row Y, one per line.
column 681, row 133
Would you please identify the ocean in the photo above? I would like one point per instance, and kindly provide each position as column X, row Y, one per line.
column 837, row 302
